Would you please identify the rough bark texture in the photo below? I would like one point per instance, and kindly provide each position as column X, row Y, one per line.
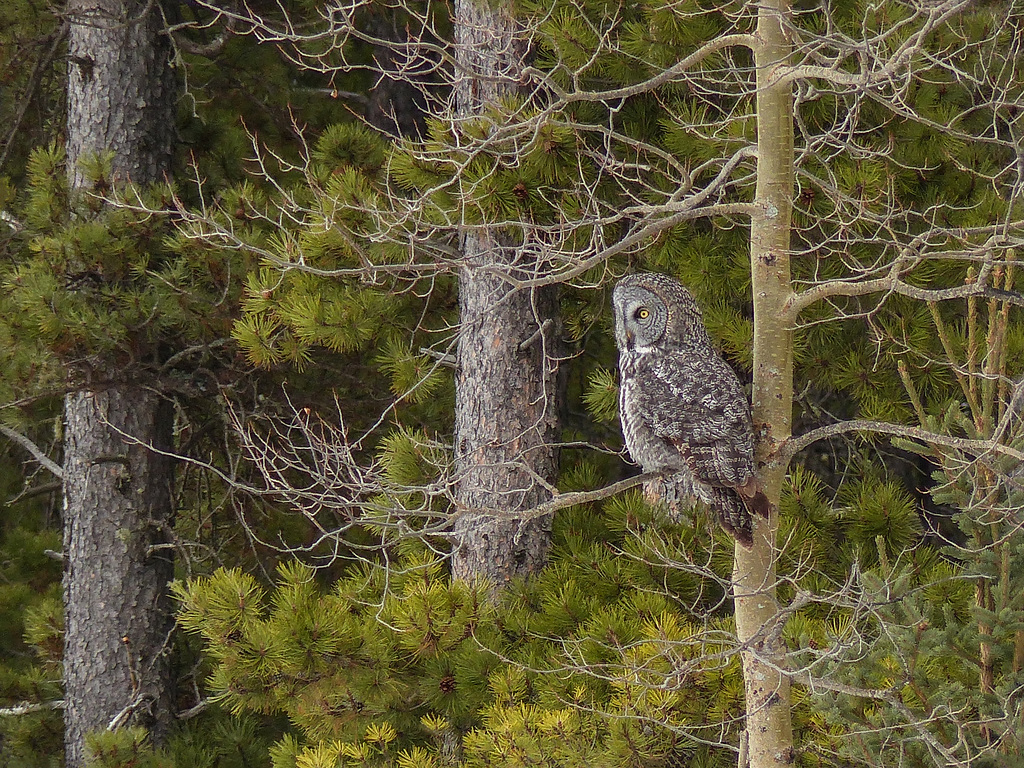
column 769, row 729
column 121, row 89
column 117, row 492
column 505, row 423
column 117, row 610
column 505, row 406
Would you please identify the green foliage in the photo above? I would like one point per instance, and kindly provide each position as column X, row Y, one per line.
column 31, row 629
column 602, row 396
column 416, row 378
column 350, row 145
column 882, row 519
column 618, row 653
column 388, row 667
column 30, row 35
column 124, row 748
column 222, row 742
column 100, row 283
column 91, row 291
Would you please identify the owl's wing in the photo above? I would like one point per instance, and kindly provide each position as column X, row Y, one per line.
column 695, row 402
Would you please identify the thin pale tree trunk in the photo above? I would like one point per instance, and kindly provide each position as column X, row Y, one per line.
column 769, row 731
column 505, row 406
column 117, row 488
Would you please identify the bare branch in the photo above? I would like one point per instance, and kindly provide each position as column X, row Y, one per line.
column 662, row 78
column 206, row 50
column 892, row 284
column 564, row 500
column 37, row 453
column 794, row 445
column 28, row 707
column 194, row 711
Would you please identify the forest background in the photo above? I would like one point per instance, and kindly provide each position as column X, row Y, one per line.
column 306, row 306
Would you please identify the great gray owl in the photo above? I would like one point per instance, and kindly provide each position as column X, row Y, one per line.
column 681, row 405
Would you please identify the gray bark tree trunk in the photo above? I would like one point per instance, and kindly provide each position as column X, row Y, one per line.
column 117, row 491
column 121, row 88
column 505, row 399
column 118, row 615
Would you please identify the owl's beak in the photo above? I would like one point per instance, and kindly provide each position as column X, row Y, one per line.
column 629, row 336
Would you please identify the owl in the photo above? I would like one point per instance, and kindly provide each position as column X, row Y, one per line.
column 682, row 407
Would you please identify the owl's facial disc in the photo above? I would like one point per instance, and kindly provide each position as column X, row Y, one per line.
column 642, row 322
column 636, row 321
column 639, row 318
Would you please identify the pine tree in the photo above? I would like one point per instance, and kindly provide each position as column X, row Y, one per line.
column 119, row 433
column 381, row 666
column 639, row 126
column 31, row 43
column 32, row 615
column 100, row 300
column 506, row 414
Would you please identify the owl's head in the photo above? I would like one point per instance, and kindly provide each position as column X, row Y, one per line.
column 653, row 310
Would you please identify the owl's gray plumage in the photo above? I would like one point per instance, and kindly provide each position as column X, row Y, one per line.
column 682, row 407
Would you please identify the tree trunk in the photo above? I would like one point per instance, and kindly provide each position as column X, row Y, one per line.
column 117, row 492
column 769, row 731
column 505, row 421
column 505, row 406
column 121, row 88
column 118, row 620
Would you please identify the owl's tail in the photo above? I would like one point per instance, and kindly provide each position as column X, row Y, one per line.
column 753, row 498
column 733, row 515
column 735, row 507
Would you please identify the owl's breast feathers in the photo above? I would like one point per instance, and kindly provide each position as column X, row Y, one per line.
column 651, row 451
column 693, row 400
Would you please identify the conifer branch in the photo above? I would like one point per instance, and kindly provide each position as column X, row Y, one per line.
column 893, row 698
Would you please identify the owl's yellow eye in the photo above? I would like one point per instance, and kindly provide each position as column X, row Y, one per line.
column 643, row 313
